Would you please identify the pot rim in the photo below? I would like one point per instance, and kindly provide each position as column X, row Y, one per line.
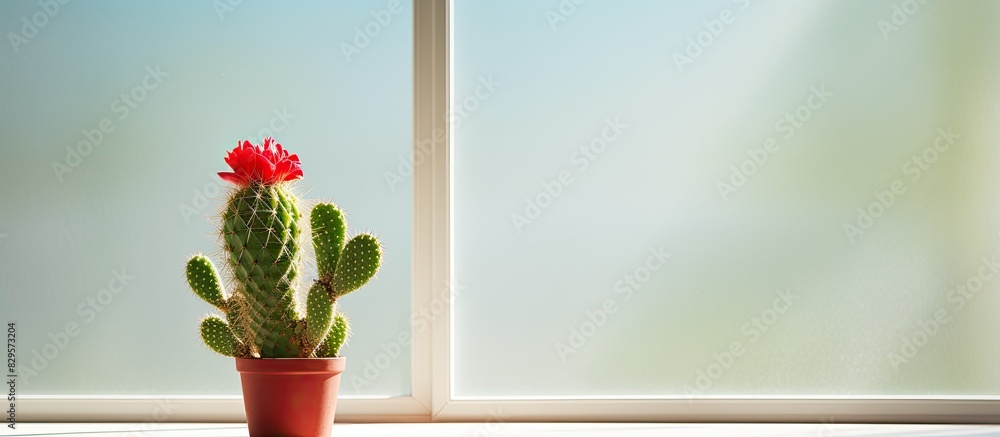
column 290, row 359
column 333, row 365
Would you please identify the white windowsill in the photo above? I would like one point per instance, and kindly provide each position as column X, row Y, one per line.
column 516, row 430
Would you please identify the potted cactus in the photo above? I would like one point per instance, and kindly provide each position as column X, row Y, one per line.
column 288, row 361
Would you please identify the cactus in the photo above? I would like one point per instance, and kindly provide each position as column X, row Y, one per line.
column 260, row 236
column 336, row 338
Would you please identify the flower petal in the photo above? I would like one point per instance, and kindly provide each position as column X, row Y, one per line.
column 233, row 178
column 267, row 163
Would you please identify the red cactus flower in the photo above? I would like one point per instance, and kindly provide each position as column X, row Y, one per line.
column 267, row 163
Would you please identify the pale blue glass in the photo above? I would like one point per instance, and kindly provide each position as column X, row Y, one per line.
column 330, row 80
column 741, row 138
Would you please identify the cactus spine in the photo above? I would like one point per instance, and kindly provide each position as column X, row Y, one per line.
column 261, row 235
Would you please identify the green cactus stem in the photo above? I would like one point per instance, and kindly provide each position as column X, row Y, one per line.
column 329, row 231
column 319, row 313
column 204, row 280
column 358, row 263
column 260, row 231
column 336, row 338
column 217, row 335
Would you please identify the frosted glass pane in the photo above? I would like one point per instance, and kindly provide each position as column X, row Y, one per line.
column 143, row 199
column 662, row 198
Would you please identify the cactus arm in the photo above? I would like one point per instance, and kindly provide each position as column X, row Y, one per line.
column 328, row 234
column 358, row 263
column 335, row 339
column 217, row 336
column 204, row 280
column 319, row 313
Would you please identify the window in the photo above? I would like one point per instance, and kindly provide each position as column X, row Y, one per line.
column 636, row 210
column 725, row 198
column 116, row 117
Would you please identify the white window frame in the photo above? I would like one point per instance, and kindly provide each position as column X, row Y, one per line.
column 434, row 204
column 432, row 397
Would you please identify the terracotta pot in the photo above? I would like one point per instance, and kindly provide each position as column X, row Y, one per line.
column 290, row 396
